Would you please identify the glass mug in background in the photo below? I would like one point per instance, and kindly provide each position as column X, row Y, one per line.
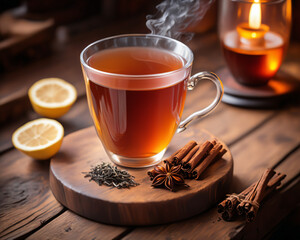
column 136, row 87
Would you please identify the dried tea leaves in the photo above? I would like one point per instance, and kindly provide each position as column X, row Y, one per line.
column 109, row 175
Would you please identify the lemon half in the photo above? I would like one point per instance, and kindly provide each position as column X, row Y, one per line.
column 39, row 139
column 52, row 97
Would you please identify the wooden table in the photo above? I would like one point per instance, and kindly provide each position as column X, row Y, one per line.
column 258, row 139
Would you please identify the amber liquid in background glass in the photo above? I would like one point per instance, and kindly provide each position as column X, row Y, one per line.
column 136, row 123
column 253, row 65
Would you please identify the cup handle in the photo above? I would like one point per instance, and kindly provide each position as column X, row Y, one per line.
column 192, row 82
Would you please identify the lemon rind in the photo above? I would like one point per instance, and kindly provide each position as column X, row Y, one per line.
column 58, row 138
column 69, row 101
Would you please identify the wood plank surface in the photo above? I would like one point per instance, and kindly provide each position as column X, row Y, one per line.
column 228, row 116
column 278, row 204
column 64, row 61
column 139, row 205
column 14, row 105
column 71, row 226
column 26, row 202
column 77, row 118
column 266, row 147
column 257, row 138
column 250, row 119
column 271, row 142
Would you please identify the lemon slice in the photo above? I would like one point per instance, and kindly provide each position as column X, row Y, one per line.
column 39, row 139
column 52, row 97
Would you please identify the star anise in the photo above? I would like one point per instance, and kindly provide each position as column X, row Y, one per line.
column 168, row 177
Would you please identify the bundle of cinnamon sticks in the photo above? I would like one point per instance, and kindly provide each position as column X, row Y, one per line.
column 194, row 158
column 248, row 201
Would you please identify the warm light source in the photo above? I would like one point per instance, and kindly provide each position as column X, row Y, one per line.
column 254, row 36
column 255, row 15
column 253, row 32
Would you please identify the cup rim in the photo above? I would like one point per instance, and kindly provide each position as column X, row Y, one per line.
column 185, row 66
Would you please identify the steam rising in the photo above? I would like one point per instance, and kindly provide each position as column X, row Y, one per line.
column 173, row 16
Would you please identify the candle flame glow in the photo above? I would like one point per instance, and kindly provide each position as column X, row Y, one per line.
column 255, row 15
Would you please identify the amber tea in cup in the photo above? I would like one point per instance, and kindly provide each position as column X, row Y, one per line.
column 150, row 114
column 136, row 87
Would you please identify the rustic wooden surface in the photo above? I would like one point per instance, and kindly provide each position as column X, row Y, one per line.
column 140, row 205
column 257, row 139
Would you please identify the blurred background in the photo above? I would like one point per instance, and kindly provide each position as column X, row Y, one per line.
column 31, row 29
column 43, row 39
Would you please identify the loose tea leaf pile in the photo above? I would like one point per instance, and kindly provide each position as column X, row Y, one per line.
column 106, row 174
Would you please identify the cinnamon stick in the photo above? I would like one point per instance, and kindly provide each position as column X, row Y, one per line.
column 188, row 157
column 228, row 215
column 230, row 203
column 207, row 161
column 220, row 155
column 186, row 174
column 248, row 201
column 236, row 200
column 255, row 196
column 184, row 151
column 198, row 156
column 240, row 207
column 263, row 191
column 268, row 174
column 275, row 182
column 171, row 158
column 222, row 206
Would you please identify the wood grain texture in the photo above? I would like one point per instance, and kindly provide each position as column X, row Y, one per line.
column 64, row 62
column 77, row 118
column 277, row 206
column 223, row 121
column 140, row 205
column 14, row 105
column 34, row 42
column 71, row 226
column 231, row 124
column 26, row 201
column 263, row 148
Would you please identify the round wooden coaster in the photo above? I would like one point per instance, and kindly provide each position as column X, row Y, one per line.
column 140, row 205
column 275, row 93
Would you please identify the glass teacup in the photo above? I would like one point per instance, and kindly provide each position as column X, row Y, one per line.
column 136, row 87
